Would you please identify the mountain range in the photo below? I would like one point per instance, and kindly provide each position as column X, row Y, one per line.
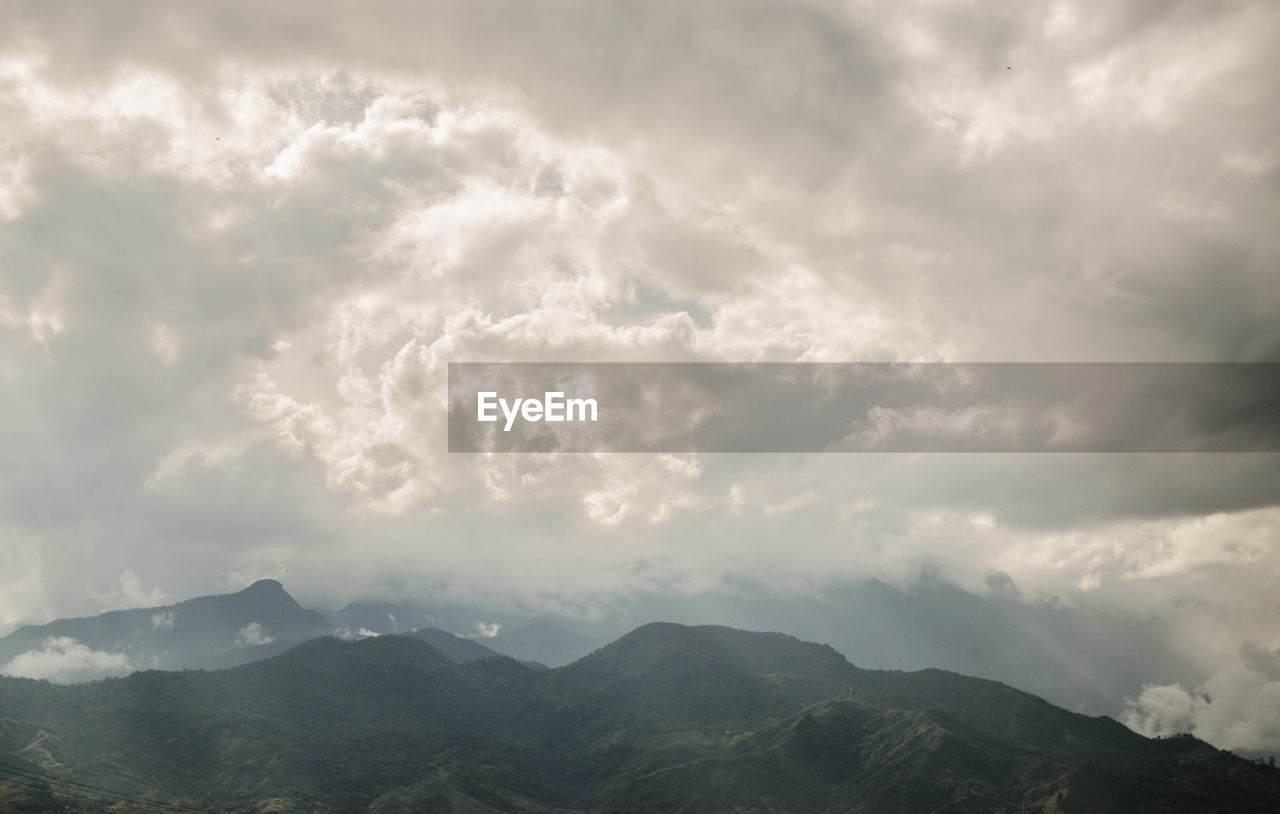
column 263, row 620
column 539, row 638
column 668, row 718
column 1047, row 648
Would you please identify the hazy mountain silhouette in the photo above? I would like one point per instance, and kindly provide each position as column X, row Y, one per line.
column 545, row 641
column 539, row 639
column 460, row 650
column 208, row 632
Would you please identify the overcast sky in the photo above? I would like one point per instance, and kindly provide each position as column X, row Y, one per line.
column 239, row 243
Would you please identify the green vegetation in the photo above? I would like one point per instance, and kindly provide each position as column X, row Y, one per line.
column 666, row 719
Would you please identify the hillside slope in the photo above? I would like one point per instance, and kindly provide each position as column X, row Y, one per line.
column 668, row 718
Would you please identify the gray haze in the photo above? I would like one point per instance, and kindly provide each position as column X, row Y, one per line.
column 240, row 242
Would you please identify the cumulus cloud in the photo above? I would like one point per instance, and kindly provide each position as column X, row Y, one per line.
column 251, row 635
column 487, row 630
column 64, row 660
column 1237, row 708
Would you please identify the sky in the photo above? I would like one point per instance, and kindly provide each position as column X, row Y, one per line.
column 240, row 242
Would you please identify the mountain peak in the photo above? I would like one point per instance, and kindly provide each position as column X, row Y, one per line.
column 752, row 652
column 265, row 586
column 221, row 630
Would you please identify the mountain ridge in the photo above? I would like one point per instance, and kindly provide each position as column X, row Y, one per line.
column 218, row 630
column 667, row 718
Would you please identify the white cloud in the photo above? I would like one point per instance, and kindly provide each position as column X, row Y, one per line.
column 251, row 635
column 64, row 660
column 345, row 633
column 1237, row 708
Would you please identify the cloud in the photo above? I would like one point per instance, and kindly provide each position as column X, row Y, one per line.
column 162, row 620
column 235, row 265
column 129, row 593
column 1237, row 708
column 487, row 630
column 251, row 635
column 64, row 660
column 345, row 633
column 22, row 585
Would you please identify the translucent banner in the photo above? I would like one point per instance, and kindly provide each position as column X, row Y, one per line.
column 864, row 407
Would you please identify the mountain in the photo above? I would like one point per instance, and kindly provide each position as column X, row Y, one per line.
column 385, row 617
column 545, row 641
column 845, row 756
column 454, row 648
column 538, row 640
column 404, row 617
column 1080, row 658
column 208, row 632
column 1074, row 656
column 742, row 674
column 666, row 719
